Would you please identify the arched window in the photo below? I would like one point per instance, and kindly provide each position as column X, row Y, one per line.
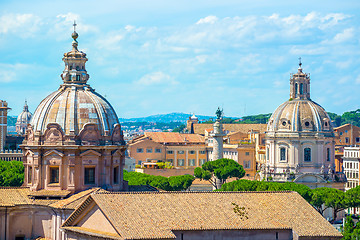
column 301, row 88
column 296, row 89
column 307, row 154
column 282, row 154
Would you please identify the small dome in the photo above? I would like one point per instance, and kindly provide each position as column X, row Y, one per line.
column 300, row 115
column 24, row 116
column 193, row 117
column 72, row 108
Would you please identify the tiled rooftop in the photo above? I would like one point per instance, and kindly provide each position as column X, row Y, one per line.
column 156, row 215
column 200, row 128
column 173, row 137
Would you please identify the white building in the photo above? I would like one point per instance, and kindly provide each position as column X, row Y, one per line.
column 300, row 139
column 351, row 166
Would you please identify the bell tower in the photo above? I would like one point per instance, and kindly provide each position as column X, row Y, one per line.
column 300, row 84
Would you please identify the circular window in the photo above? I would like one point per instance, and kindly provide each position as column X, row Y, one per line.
column 284, row 123
column 307, row 124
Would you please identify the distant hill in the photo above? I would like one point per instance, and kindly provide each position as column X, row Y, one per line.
column 170, row 117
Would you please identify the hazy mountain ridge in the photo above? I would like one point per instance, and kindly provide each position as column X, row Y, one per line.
column 170, row 117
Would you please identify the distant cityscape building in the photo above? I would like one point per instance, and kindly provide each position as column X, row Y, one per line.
column 3, row 123
column 180, row 150
column 300, row 142
column 23, row 120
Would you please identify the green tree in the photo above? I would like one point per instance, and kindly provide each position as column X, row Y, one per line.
column 179, row 128
column 330, row 197
column 177, row 183
column 248, row 185
column 11, row 173
column 352, row 197
column 222, row 169
column 183, row 182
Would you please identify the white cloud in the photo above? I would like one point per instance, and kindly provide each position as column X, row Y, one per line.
column 208, row 19
column 8, row 72
column 64, row 23
column 344, row 35
column 156, row 78
column 24, row 25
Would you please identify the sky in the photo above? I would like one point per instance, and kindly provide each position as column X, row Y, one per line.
column 156, row 57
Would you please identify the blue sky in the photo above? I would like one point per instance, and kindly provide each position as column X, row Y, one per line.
column 150, row 57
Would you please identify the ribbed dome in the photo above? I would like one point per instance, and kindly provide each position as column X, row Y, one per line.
column 299, row 115
column 75, row 103
column 72, row 108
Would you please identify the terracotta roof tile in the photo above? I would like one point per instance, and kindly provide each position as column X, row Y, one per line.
column 92, row 232
column 156, row 215
column 174, row 137
column 49, row 193
column 245, row 128
column 75, row 200
column 12, row 196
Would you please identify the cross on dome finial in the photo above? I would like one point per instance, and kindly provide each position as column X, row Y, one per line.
column 75, row 35
column 300, row 62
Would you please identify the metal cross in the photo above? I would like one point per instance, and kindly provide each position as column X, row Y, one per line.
column 74, row 26
column 300, row 61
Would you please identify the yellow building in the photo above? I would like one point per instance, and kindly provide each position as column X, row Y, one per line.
column 181, row 150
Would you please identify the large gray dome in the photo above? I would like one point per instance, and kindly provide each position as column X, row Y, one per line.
column 300, row 115
column 72, row 107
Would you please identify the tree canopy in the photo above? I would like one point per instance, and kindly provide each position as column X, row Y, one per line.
column 175, row 183
column 248, row 185
column 222, row 169
column 11, row 173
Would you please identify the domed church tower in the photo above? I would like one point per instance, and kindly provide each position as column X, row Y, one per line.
column 74, row 140
column 300, row 138
column 23, row 120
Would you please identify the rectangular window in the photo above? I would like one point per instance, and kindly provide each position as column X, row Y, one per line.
column 116, row 175
column 192, row 162
column 89, row 177
column 54, row 174
column 357, row 139
column 346, row 140
column 328, row 154
column 180, row 152
column 139, row 150
column 267, row 153
column 149, row 150
column 282, row 154
column 246, row 164
column 180, row 162
column 170, row 152
column 247, row 153
column 307, row 154
column 170, row 161
column 202, row 161
column 158, row 150
column 30, row 175
column 341, row 133
column 191, row 152
column 201, row 152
